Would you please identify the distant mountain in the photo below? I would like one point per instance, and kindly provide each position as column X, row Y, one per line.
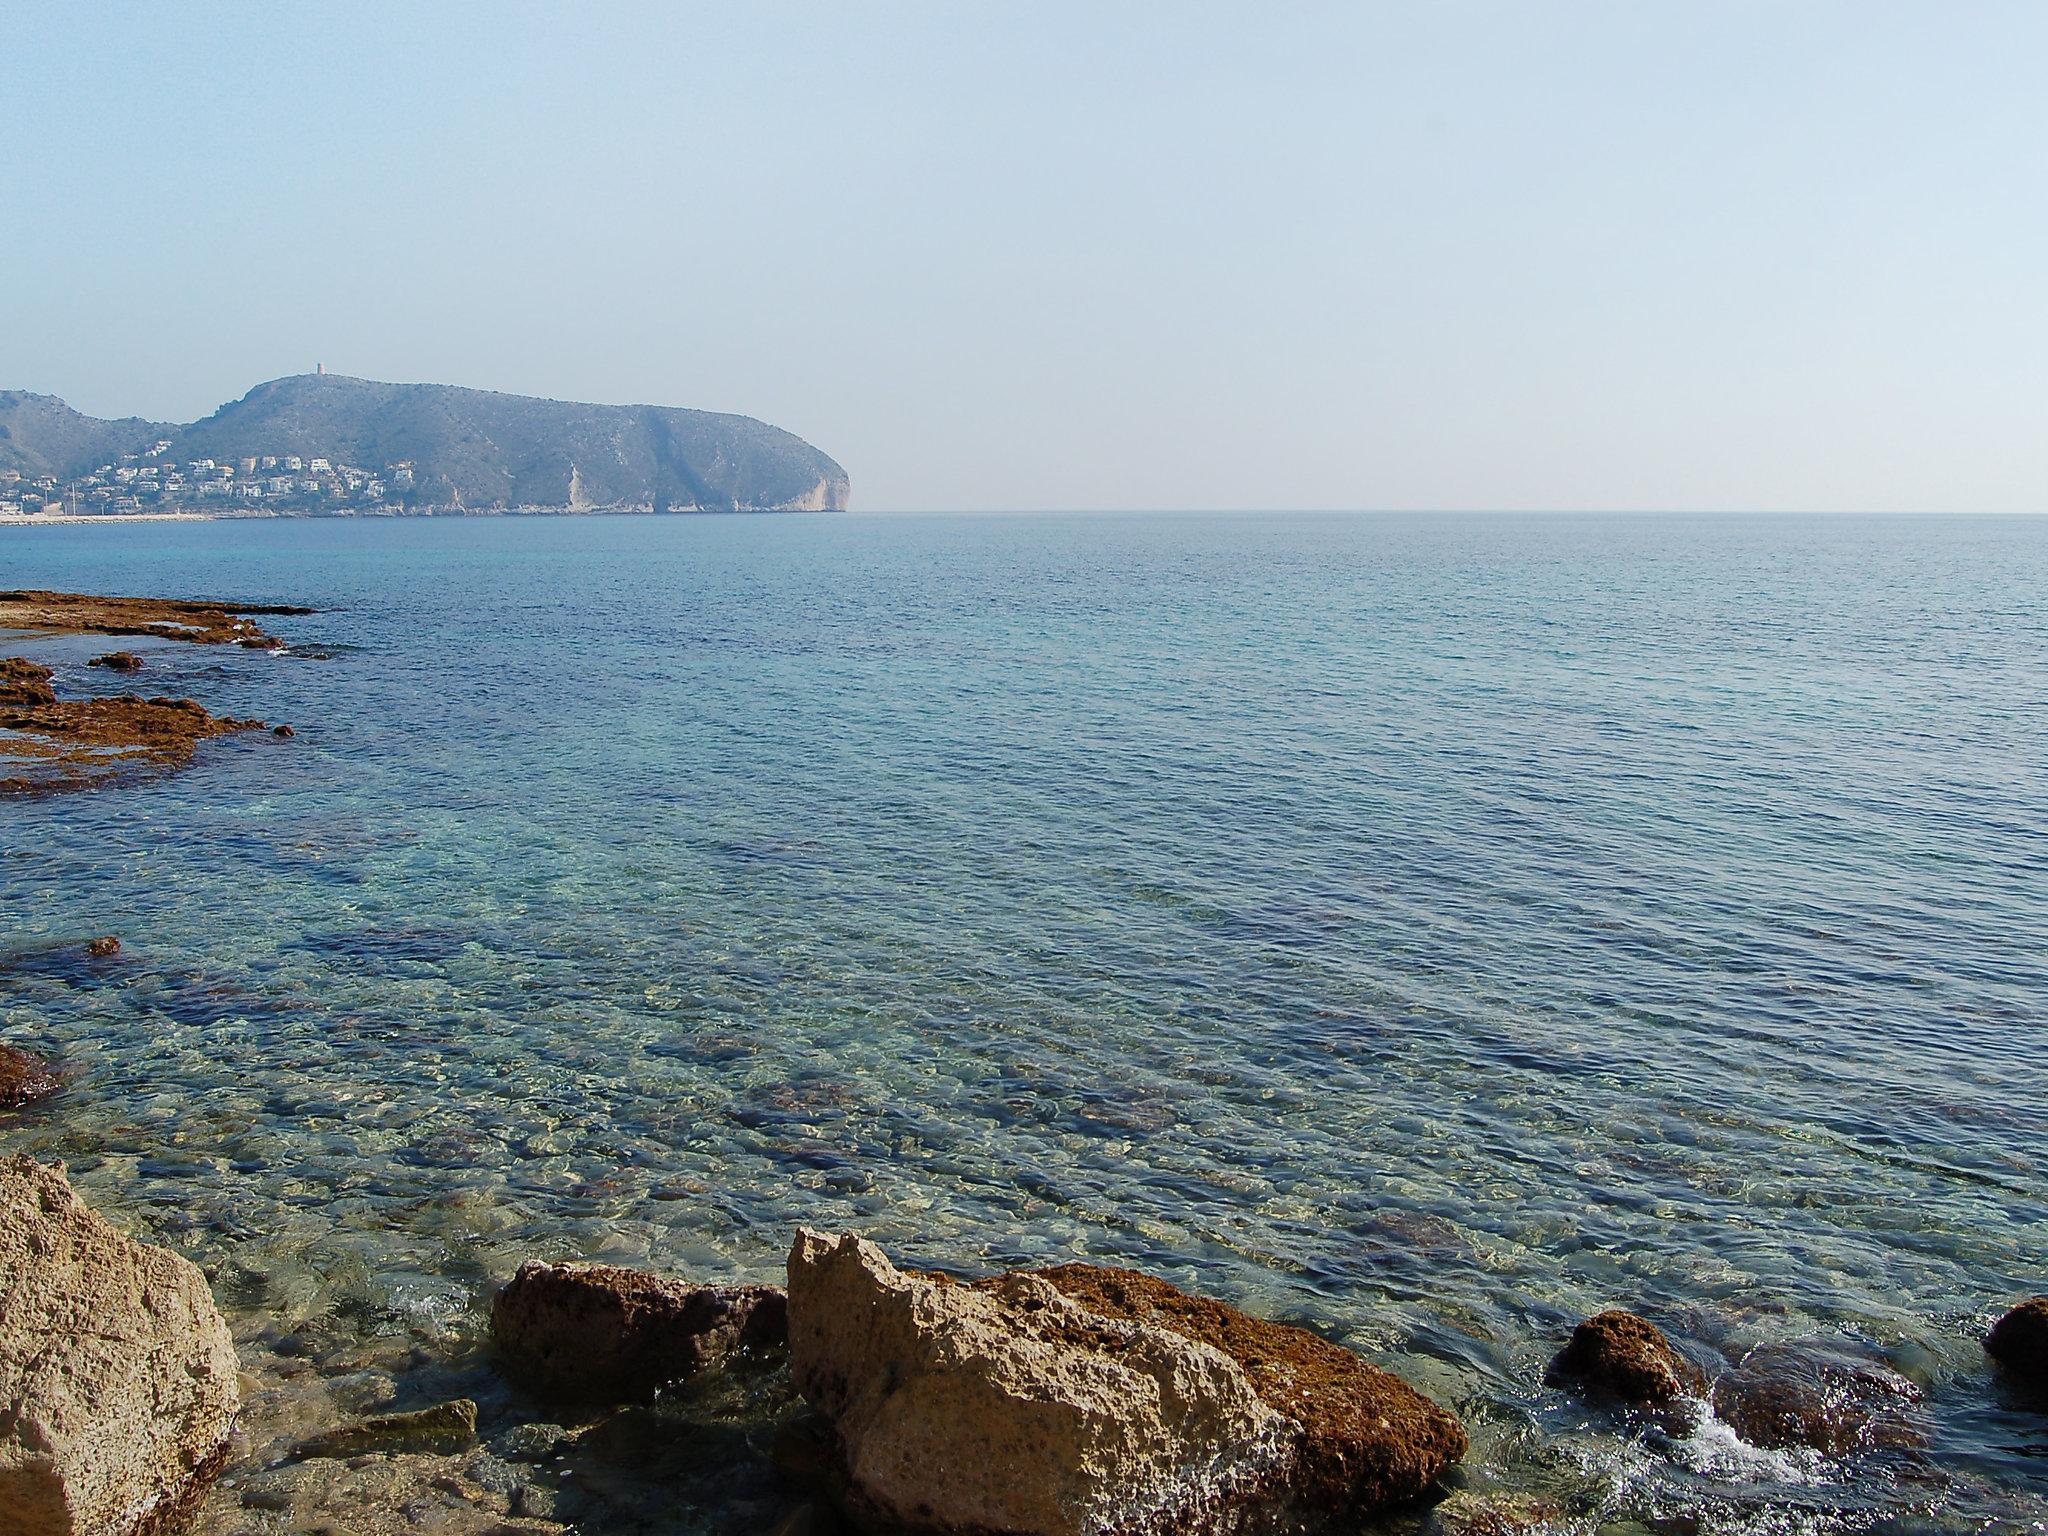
column 469, row 449
column 41, row 435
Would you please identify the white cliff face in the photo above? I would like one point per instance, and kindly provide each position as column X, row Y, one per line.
column 828, row 495
column 118, row 1385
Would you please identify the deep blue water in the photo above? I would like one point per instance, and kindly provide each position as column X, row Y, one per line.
column 1435, row 929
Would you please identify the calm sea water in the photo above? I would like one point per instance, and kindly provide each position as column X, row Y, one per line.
column 1435, row 930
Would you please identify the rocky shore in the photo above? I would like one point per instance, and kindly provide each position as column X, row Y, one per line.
column 198, row 622
column 58, row 744
column 861, row 1397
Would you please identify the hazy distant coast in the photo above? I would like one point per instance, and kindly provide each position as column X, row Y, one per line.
column 322, row 445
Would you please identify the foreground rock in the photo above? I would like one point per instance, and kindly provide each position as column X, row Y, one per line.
column 1082, row 1401
column 599, row 1333
column 66, row 744
column 2018, row 1342
column 1820, row 1397
column 1621, row 1356
column 117, row 1377
column 24, row 1078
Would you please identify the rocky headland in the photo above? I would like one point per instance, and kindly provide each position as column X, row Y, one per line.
column 320, row 444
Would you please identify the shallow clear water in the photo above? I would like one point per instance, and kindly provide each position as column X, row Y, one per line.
column 1432, row 929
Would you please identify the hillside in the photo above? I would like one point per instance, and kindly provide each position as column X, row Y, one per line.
column 470, row 449
column 41, row 435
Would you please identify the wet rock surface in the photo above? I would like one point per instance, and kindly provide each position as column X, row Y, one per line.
column 118, row 661
column 1820, row 1397
column 597, row 1332
column 1014, row 1404
column 1467, row 1513
column 2018, row 1344
column 1626, row 1358
column 118, row 1385
column 105, row 947
column 25, row 1078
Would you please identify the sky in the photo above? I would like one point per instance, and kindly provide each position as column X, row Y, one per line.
column 1638, row 255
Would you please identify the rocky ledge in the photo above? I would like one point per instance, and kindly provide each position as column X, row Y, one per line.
column 68, row 744
column 81, row 613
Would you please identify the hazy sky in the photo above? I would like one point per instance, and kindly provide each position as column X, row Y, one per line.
column 1734, row 253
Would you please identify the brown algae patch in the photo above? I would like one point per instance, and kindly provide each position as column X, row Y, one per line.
column 67, row 744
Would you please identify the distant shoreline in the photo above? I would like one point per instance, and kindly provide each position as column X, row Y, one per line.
column 54, row 519
column 30, row 520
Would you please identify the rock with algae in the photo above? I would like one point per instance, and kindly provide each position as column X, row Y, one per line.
column 1621, row 1356
column 25, row 1078
column 1083, row 1401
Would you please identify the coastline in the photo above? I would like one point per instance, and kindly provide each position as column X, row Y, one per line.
column 52, row 519
column 395, row 514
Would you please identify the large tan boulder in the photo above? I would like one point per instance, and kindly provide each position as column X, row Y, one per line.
column 117, row 1376
column 1084, row 1401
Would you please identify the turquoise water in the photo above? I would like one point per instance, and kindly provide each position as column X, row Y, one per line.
column 1432, row 929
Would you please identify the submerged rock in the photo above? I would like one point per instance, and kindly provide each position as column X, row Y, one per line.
column 1496, row 1514
column 1814, row 1395
column 2018, row 1342
column 104, row 947
column 1082, row 1401
column 118, row 1386
column 400, row 1494
column 1628, row 1358
column 597, row 1332
column 25, row 1078
column 444, row 1427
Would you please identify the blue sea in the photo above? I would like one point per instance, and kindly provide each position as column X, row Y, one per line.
column 1432, row 930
